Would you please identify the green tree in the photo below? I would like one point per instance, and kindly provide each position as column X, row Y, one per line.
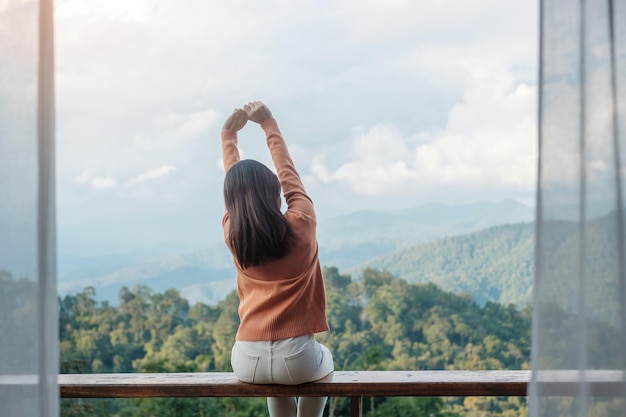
column 224, row 332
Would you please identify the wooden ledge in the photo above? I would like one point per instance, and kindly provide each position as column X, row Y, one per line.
column 339, row 384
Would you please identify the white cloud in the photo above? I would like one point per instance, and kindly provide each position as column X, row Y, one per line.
column 192, row 124
column 98, row 182
column 489, row 142
column 104, row 182
column 382, row 159
column 153, row 174
column 199, row 122
column 83, row 177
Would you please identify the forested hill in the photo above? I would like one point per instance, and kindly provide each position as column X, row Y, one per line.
column 492, row 265
column 497, row 264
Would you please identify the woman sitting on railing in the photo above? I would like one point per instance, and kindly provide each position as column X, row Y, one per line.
column 279, row 279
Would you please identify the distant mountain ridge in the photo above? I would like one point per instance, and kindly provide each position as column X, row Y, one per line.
column 204, row 275
column 495, row 264
column 207, row 275
column 349, row 240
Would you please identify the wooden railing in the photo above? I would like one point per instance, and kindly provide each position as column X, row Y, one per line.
column 353, row 384
column 356, row 385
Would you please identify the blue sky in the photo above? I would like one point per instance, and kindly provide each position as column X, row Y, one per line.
column 384, row 104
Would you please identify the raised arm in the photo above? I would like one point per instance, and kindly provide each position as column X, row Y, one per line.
column 235, row 122
column 290, row 182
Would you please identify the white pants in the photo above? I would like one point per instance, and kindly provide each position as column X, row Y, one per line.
column 288, row 361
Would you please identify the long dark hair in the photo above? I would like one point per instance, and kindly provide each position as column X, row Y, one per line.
column 258, row 231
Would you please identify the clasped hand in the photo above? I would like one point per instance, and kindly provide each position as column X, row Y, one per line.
column 255, row 111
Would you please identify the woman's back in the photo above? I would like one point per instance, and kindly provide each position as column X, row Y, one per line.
column 283, row 297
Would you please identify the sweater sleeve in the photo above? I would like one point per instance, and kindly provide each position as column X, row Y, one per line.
column 230, row 156
column 295, row 195
column 230, row 153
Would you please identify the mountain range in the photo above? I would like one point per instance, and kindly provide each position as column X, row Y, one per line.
column 350, row 242
column 495, row 264
column 352, row 239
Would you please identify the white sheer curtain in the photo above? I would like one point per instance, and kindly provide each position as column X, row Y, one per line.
column 28, row 302
column 579, row 322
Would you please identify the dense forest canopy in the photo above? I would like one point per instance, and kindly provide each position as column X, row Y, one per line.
column 379, row 322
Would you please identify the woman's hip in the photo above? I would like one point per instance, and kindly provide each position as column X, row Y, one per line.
column 287, row 361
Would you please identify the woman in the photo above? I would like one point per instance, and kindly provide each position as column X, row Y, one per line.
column 279, row 279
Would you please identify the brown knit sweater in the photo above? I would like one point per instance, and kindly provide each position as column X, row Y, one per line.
column 284, row 298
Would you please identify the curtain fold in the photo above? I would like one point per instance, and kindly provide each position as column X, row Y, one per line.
column 579, row 304
column 28, row 301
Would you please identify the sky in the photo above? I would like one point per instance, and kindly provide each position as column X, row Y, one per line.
column 384, row 104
